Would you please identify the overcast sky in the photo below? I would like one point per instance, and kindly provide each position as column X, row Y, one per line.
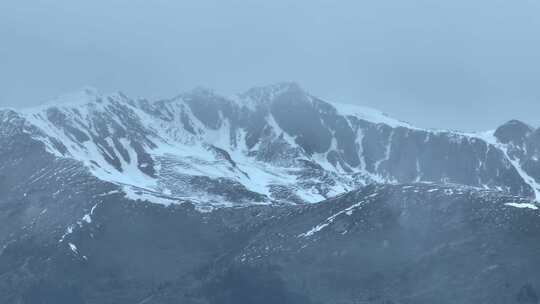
column 461, row 64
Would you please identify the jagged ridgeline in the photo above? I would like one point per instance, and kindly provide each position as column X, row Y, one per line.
column 109, row 199
column 275, row 144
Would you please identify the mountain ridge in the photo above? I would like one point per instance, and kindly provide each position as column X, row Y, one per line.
column 106, row 203
column 259, row 142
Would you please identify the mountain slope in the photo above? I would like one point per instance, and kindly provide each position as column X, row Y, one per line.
column 414, row 243
column 406, row 215
column 274, row 144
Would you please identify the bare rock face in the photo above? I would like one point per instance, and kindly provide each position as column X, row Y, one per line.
column 514, row 131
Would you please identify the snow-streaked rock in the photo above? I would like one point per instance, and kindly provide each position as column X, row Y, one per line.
column 275, row 144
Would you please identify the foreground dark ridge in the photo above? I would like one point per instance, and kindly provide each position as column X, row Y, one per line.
column 416, row 243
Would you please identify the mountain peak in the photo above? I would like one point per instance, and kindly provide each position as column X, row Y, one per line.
column 201, row 91
column 84, row 95
column 513, row 131
column 280, row 86
column 268, row 93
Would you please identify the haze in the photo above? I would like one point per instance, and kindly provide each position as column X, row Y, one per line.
column 468, row 65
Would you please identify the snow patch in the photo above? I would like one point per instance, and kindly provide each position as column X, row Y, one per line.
column 369, row 114
column 523, row 205
column 73, row 248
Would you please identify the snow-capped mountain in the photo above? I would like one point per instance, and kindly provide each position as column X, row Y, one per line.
column 275, row 144
column 400, row 214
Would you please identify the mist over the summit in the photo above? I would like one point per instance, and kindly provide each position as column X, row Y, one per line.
column 468, row 65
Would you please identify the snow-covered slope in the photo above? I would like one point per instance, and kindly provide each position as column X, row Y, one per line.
column 275, row 144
